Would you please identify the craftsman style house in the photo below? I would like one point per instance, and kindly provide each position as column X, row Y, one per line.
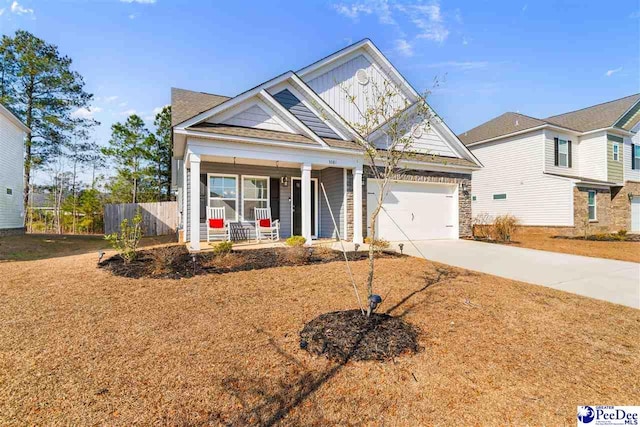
column 288, row 146
column 575, row 170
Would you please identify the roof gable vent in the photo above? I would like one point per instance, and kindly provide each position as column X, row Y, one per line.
column 362, row 76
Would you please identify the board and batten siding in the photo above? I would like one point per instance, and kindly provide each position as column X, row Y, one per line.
column 593, row 155
column 514, row 166
column 255, row 117
column 333, row 180
column 328, row 176
column 328, row 86
column 615, row 167
column 549, row 153
column 11, row 174
column 631, row 174
column 430, row 142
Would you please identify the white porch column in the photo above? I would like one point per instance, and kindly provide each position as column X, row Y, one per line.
column 306, row 202
column 357, row 205
column 194, row 243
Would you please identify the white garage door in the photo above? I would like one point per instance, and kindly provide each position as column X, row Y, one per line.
column 423, row 211
column 635, row 214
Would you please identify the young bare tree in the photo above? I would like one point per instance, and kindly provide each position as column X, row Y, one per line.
column 388, row 125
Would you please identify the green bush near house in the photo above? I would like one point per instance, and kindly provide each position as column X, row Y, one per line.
column 222, row 248
column 126, row 241
column 295, row 241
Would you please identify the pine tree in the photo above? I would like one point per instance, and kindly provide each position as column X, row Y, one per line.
column 38, row 85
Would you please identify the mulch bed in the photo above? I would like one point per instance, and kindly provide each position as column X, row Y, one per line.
column 604, row 237
column 349, row 335
column 175, row 262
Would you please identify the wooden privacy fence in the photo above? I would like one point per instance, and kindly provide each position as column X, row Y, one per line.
column 157, row 218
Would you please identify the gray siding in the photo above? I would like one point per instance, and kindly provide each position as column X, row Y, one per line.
column 332, row 178
column 333, row 181
column 306, row 116
column 629, row 116
column 614, row 168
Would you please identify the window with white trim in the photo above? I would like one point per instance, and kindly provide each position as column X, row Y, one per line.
column 563, row 153
column 255, row 194
column 636, row 156
column 616, row 152
column 592, row 205
column 223, row 192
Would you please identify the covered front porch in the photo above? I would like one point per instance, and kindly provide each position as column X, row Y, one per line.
column 287, row 181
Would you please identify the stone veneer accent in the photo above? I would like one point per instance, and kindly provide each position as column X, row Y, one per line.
column 464, row 197
column 613, row 208
column 12, row 231
column 621, row 205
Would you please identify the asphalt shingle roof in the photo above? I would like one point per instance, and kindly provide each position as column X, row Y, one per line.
column 595, row 117
column 186, row 104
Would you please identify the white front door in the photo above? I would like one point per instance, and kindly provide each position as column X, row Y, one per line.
column 414, row 210
column 635, row 214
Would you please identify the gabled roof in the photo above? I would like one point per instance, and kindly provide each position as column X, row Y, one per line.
column 617, row 113
column 501, row 125
column 597, row 116
column 12, row 118
column 187, row 103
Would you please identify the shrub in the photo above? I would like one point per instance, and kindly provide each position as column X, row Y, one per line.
column 378, row 244
column 295, row 241
column 222, row 248
column 504, row 227
column 127, row 240
column 482, row 226
column 622, row 233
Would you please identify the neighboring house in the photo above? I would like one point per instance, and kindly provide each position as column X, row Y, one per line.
column 12, row 136
column 578, row 169
column 277, row 144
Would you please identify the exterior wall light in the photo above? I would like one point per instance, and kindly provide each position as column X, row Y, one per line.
column 284, row 181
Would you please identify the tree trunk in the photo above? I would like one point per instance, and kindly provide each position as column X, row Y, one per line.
column 372, row 226
column 73, row 190
column 27, row 156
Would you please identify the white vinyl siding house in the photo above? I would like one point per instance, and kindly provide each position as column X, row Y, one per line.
column 630, row 173
column 282, row 143
column 12, row 135
column 593, row 151
column 513, row 167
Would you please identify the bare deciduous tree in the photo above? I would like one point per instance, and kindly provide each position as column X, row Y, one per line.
column 388, row 125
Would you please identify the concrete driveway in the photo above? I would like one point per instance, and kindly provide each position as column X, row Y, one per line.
column 605, row 279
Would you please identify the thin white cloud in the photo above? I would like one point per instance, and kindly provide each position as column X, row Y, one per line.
column 85, row 112
column 158, row 110
column 525, row 7
column 122, row 104
column 1, row 11
column 635, row 15
column 610, row 73
column 111, row 98
column 404, row 48
column 18, row 9
column 128, row 112
column 465, row 41
column 139, row 1
column 132, row 16
column 428, row 20
column 461, row 65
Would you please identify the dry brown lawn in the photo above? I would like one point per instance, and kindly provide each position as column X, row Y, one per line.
column 79, row 346
column 624, row 251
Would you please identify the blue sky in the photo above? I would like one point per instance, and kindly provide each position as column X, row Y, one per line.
column 536, row 57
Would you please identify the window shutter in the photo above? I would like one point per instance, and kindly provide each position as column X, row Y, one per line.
column 555, row 151
column 633, row 157
column 569, row 147
column 274, row 195
column 203, row 197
